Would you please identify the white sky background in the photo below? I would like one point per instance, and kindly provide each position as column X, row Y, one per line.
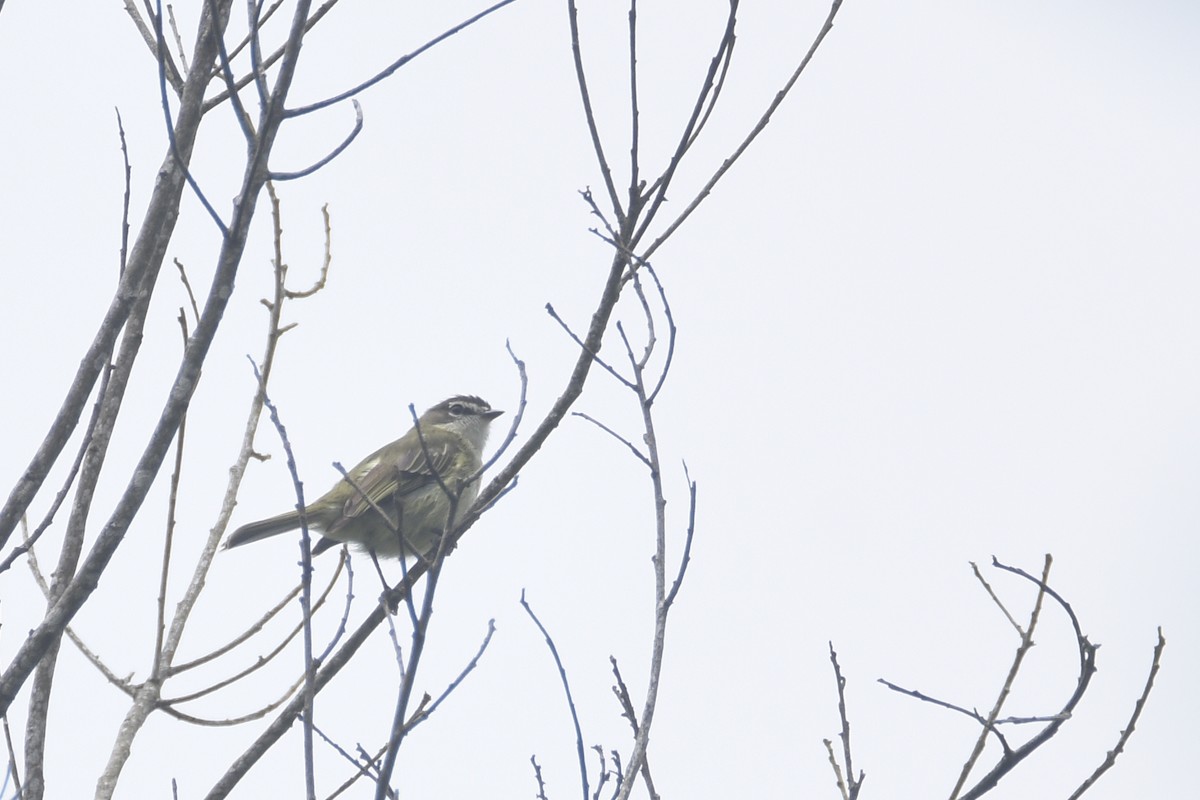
column 945, row 308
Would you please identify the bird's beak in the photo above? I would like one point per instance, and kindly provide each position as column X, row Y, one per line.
column 490, row 415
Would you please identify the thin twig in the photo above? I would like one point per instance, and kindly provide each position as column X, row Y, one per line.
column 987, row 587
column 594, row 355
column 637, row 453
column 634, row 133
column 759, row 127
column 1006, row 689
column 589, row 114
column 566, row 684
column 326, row 260
column 152, row 43
column 306, row 608
column 290, row 692
column 398, row 63
column 123, row 684
column 537, row 775
column 160, row 622
column 258, row 626
column 181, row 162
column 853, row 782
column 1087, row 668
column 686, row 558
column 837, row 769
column 1111, row 756
column 657, row 194
column 975, row 715
column 270, row 61
column 621, row 691
column 672, row 332
column 178, row 39
column 334, row 153
column 225, row 70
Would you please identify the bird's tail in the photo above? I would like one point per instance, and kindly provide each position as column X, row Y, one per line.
column 254, row 531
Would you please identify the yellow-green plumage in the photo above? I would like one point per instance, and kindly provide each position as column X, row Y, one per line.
column 399, row 481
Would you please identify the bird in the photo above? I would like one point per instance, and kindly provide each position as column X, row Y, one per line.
column 401, row 480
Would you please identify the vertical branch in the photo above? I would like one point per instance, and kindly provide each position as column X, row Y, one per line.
column 637, row 758
column 305, row 588
column 585, row 96
column 1006, row 689
column 1111, row 757
column 420, row 623
column 853, row 783
column 160, row 621
column 404, row 696
column 635, row 196
column 717, row 65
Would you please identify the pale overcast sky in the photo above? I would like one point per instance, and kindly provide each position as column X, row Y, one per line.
column 945, row 308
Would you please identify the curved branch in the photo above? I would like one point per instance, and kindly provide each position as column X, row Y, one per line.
column 397, row 64
column 337, row 151
column 1087, row 668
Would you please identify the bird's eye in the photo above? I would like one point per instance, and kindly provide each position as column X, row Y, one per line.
column 457, row 409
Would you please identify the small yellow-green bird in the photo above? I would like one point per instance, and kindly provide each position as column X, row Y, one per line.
column 401, row 482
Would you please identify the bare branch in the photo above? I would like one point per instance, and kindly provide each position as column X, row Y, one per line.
column 837, row 769
column 225, row 70
column 337, row 151
column 152, row 42
column 562, row 675
column 686, row 558
column 427, row 712
column 627, row 711
column 758, row 128
column 260, row 623
column 12, row 758
column 398, row 63
column 175, row 35
column 987, row 587
column 260, row 71
column 975, row 715
column 1111, row 757
column 518, row 415
column 585, row 96
column 537, row 775
column 672, row 332
column 657, row 194
column 853, row 783
column 637, row 453
column 1087, row 668
column 306, row 570
column 217, row 34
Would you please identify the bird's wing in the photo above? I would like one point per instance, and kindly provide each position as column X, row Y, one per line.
column 386, row 482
